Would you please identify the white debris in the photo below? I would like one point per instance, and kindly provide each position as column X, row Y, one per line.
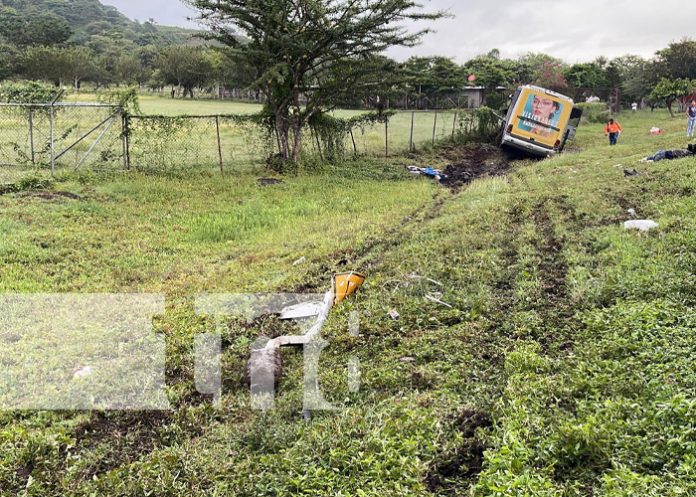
column 301, row 311
column 632, row 212
column 394, row 314
column 299, row 261
column 642, row 225
column 83, row 372
column 435, row 297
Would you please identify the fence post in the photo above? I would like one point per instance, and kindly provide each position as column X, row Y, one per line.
column 31, row 136
column 355, row 147
column 410, row 139
column 386, row 137
column 52, row 139
column 51, row 118
column 434, row 127
column 454, row 123
column 125, row 122
column 219, row 144
column 316, row 139
column 123, row 140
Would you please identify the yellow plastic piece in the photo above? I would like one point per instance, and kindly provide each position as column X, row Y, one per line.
column 345, row 285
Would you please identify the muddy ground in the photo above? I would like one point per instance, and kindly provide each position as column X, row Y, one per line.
column 469, row 162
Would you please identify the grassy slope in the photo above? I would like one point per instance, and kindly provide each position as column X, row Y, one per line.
column 567, row 356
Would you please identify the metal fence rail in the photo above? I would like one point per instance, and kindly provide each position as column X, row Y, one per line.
column 53, row 138
column 60, row 137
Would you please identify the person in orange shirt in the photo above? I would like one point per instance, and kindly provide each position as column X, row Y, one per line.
column 612, row 130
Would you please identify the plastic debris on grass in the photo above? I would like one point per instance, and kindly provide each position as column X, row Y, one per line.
column 643, row 225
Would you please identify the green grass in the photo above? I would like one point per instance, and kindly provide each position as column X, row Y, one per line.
column 563, row 369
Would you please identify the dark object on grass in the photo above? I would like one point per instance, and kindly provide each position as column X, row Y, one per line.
column 629, row 174
column 270, row 181
column 671, row 154
column 49, row 195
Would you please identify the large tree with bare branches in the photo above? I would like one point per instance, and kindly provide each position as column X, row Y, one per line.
column 298, row 49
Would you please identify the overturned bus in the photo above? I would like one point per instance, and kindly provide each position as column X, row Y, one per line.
column 540, row 122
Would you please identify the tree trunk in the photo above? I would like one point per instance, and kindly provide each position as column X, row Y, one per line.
column 669, row 107
column 282, row 130
column 297, row 140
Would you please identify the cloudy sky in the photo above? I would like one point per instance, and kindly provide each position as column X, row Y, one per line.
column 570, row 29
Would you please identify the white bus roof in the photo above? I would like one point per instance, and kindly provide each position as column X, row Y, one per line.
column 548, row 92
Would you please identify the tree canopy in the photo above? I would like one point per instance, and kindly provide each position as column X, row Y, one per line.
column 296, row 48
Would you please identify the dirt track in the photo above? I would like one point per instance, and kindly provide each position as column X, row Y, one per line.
column 473, row 161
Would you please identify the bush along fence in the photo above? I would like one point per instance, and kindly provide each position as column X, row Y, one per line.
column 60, row 137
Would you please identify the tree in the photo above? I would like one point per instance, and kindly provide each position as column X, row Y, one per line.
column 43, row 63
column 672, row 90
column 678, row 60
column 433, row 77
column 490, row 73
column 532, row 66
column 637, row 77
column 550, row 75
column 78, row 64
column 33, row 27
column 295, row 46
column 584, row 79
column 187, row 67
column 130, row 70
column 9, row 60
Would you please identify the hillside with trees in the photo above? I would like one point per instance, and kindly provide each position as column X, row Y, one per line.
column 78, row 22
column 72, row 42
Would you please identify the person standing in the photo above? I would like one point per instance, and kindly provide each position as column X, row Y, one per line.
column 691, row 114
column 613, row 129
column 634, row 106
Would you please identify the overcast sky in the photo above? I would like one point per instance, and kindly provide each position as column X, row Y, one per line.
column 570, row 29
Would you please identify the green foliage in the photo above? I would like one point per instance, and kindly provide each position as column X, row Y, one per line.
column 125, row 98
column 637, row 76
column 490, row 72
column 44, row 22
column 586, row 79
column 27, row 93
column 333, row 132
column 31, row 26
column 294, row 50
column 70, row 65
column 594, row 112
column 478, row 126
column 433, row 78
column 671, row 90
column 188, row 67
column 678, row 60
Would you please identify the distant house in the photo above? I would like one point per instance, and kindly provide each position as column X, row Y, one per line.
column 472, row 97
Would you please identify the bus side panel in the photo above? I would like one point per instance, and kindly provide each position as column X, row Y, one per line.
column 540, row 118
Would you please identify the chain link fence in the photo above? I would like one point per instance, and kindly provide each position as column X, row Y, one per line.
column 166, row 143
column 52, row 138
column 49, row 139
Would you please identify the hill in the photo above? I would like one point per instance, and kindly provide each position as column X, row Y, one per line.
column 48, row 22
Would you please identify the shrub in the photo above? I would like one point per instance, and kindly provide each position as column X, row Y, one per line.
column 27, row 93
column 595, row 112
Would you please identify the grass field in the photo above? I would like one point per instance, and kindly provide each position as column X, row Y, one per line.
column 564, row 367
